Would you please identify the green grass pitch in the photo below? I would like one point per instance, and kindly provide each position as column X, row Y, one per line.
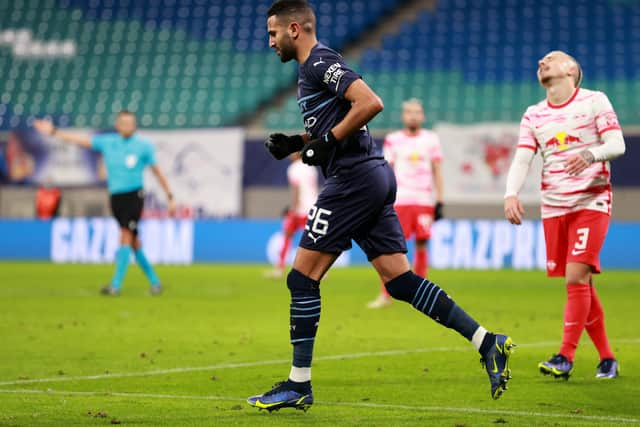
column 70, row 357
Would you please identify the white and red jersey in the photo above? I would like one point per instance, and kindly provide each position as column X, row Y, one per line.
column 305, row 178
column 559, row 131
column 411, row 157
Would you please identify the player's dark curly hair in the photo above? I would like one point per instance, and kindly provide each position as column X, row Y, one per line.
column 299, row 10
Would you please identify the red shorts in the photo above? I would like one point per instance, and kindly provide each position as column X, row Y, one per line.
column 294, row 222
column 574, row 237
column 415, row 220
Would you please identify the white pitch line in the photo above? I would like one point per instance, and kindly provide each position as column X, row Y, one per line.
column 485, row 411
column 465, row 410
column 118, row 394
column 271, row 362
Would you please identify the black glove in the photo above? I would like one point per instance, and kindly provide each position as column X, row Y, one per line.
column 281, row 145
column 438, row 213
column 318, row 150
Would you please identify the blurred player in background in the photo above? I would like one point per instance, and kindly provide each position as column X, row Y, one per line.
column 415, row 156
column 303, row 185
column 356, row 202
column 125, row 156
column 577, row 132
column 20, row 163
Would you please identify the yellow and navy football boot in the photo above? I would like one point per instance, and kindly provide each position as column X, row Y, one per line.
column 496, row 362
column 284, row 394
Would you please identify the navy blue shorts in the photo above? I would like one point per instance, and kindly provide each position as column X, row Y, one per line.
column 356, row 206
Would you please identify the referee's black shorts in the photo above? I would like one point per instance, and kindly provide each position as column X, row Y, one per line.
column 127, row 209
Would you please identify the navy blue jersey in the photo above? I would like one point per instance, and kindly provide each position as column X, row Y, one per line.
column 322, row 81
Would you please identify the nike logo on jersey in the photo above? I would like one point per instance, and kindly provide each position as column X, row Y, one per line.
column 315, row 64
column 575, row 253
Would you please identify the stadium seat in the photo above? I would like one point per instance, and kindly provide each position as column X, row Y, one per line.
column 179, row 63
column 475, row 61
column 206, row 63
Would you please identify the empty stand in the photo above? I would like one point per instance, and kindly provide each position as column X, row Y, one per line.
column 178, row 63
column 476, row 60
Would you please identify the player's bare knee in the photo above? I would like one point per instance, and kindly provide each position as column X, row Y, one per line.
column 313, row 264
column 578, row 273
column 574, row 279
column 391, row 266
column 126, row 236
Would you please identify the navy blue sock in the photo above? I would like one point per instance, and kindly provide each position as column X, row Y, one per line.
column 302, row 388
column 488, row 342
column 304, row 316
column 430, row 299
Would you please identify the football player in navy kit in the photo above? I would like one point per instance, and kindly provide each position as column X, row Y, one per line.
column 356, row 203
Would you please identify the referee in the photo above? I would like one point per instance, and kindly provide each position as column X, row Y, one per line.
column 125, row 157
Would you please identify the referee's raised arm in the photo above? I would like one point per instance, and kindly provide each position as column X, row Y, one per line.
column 46, row 127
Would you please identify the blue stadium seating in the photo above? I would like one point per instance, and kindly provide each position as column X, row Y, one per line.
column 476, row 60
column 178, row 63
column 240, row 21
column 499, row 40
column 189, row 63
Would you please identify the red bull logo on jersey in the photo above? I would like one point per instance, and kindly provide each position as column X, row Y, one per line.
column 415, row 157
column 561, row 141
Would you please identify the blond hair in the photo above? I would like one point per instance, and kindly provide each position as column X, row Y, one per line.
column 577, row 79
column 412, row 101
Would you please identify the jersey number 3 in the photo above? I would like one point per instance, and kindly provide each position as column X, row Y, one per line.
column 580, row 246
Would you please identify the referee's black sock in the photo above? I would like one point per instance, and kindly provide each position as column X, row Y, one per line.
column 433, row 301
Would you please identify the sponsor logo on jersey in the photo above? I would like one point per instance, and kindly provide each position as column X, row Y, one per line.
column 310, row 122
column 333, row 74
column 415, row 157
column 561, row 141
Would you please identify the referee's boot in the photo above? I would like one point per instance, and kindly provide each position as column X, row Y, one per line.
column 109, row 290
